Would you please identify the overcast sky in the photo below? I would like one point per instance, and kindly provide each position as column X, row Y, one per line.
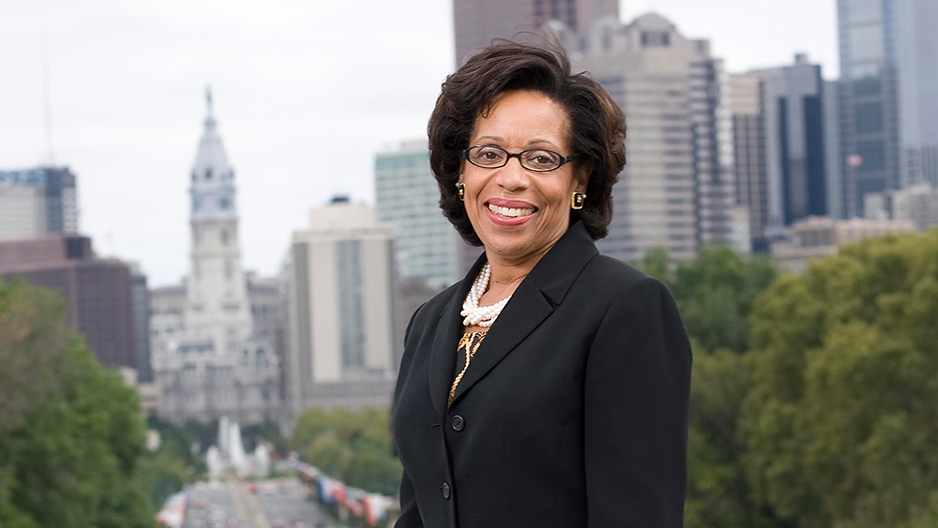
column 305, row 93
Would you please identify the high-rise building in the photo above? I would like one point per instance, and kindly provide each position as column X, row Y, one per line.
column 407, row 198
column 796, row 159
column 34, row 202
column 97, row 292
column 677, row 190
column 140, row 299
column 747, row 107
column 342, row 299
column 832, row 149
column 478, row 22
column 888, row 96
column 208, row 357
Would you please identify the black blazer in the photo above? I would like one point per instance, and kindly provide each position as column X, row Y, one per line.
column 573, row 412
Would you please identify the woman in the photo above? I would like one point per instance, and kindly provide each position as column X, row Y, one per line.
column 548, row 388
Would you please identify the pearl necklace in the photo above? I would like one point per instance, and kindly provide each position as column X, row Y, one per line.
column 475, row 315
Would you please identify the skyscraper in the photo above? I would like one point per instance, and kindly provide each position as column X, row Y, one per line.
column 677, row 190
column 795, row 142
column 342, row 302
column 407, row 198
column 478, row 22
column 747, row 107
column 37, row 201
column 888, row 96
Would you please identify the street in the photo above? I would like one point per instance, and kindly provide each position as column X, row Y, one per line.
column 263, row 504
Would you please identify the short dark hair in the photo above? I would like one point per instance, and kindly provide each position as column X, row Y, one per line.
column 597, row 125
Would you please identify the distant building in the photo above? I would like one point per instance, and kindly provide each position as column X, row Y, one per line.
column 888, row 96
column 268, row 300
column 747, row 106
column 794, row 138
column 677, row 190
column 918, row 203
column 408, row 198
column 815, row 237
column 140, row 297
column 342, row 305
column 477, row 22
column 208, row 357
column 832, row 150
column 99, row 293
column 38, row 201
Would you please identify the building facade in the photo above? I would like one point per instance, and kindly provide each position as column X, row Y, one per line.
column 796, row 158
column 208, row 358
column 815, row 237
column 478, row 22
column 140, row 299
column 407, row 198
column 677, row 190
column 888, row 96
column 97, row 292
column 37, row 201
column 747, row 106
column 342, row 286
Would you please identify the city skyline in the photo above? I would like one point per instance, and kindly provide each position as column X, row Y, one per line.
column 292, row 87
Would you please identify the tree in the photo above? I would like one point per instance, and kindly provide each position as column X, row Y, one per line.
column 68, row 455
column 714, row 292
column 355, row 447
column 841, row 426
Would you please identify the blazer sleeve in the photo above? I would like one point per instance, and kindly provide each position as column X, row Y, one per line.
column 636, row 391
column 410, row 514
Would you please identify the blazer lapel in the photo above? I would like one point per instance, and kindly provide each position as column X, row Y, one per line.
column 443, row 355
column 523, row 313
column 533, row 301
column 449, row 330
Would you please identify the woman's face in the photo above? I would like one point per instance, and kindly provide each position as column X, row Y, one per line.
column 517, row 213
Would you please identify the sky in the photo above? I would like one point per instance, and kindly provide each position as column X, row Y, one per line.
column 305, row 93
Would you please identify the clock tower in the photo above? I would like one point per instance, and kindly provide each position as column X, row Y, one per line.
column 217, row 303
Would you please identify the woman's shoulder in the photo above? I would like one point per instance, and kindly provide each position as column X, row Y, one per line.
column 613, row 273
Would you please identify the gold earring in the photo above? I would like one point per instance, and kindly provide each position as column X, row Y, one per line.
column 461, row 191
column 577, row 199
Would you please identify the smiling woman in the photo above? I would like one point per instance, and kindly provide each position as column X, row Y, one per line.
column 550, row 386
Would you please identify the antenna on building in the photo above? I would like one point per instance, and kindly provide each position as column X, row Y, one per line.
column 47, row 99
column 208, row 99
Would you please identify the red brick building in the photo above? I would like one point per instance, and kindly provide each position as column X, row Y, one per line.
column 98, row 292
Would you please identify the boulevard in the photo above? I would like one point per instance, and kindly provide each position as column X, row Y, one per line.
column 278, row 503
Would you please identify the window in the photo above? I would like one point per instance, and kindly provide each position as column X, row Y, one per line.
column 224, row 237
column 869, row 118
column 224, row 203
column 208, row 173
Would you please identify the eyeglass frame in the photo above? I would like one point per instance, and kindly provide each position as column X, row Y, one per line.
column 563, row 159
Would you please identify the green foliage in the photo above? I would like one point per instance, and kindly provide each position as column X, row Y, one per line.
column 714, row 292
column 355, row 447
column 172, row 466
column 268, row 432
column 69, row 451
column 841, row 425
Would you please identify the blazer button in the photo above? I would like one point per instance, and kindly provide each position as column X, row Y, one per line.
column 446, row 491
column 458, row 423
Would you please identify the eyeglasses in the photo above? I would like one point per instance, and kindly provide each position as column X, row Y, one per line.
column 537, row 160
